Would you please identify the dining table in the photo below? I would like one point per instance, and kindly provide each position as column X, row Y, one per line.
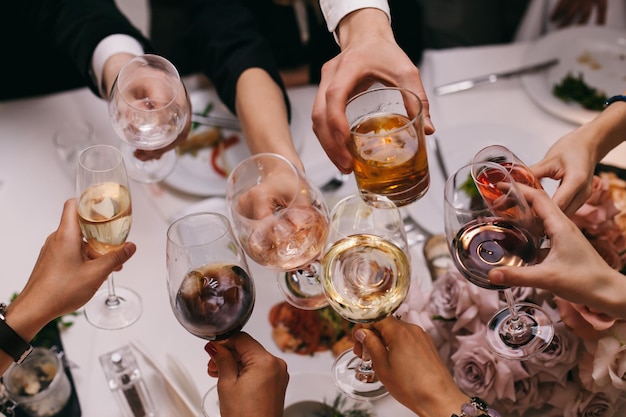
column 35, row 182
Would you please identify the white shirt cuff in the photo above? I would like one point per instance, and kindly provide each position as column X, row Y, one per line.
column 112, row 44
column 335, row 10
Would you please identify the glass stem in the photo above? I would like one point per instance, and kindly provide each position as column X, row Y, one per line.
column 510, row 302
column 112, row 299
column 364, row 371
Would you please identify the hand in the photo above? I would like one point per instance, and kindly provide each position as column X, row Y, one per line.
column 577, row 12
column 251, row 381
column 572, row 269
column 369, row 53
column 571, row 160
column 408, row 364
column 67, row 273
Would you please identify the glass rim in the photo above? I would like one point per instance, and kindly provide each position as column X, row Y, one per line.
column 208, row 214
column 401, row 90
column 115, row 151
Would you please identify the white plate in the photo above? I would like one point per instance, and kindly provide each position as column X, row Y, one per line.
column 458, row 146
column 194, row 174
column 605, row 68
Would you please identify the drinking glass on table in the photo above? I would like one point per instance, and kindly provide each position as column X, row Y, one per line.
column 366, row 276
column 489, row 223
column 149, row 109
column 104, row 212
column 388, row 144
column 210, row 288
column 281, row 220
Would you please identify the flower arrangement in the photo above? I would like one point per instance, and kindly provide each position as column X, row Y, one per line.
column 583, row 371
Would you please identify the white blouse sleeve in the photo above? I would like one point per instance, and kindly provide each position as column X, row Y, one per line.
column 335, row 10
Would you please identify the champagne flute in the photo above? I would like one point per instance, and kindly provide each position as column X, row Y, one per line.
column 489, row 223
column 366, row 276
column 149, row 109
column 281, row 220
column 388, row 144
column 210, row 288
column 104, row 213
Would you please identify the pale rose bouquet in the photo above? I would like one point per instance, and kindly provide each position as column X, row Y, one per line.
column 583, row 371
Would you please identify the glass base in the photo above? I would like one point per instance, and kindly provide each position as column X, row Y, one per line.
column 302, row 290
column 211, row 403
column 151, row 171
column 347, row 379
column 102, row 313
column 532, row 335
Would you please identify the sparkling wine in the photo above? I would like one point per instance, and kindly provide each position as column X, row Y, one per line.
column 366, row 277
column 289, row 240
column 215, row 300
column 482, row 245
column 395, row 164
column 104, row 212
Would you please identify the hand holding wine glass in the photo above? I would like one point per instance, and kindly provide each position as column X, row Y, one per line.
column 149, row 109
column 366, row 276
column 104, row 211
column 488, row 224
column 281, row 220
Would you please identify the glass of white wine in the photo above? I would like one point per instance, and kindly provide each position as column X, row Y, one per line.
column 149, row 108
column 366, row 275
column 104, row 212
column 281, row 220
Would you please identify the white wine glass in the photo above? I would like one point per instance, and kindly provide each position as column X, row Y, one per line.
column 281, row 220
column 366, row 276
column 210, row 288
column 489, row 223
column 148, row 108
column 104, row 212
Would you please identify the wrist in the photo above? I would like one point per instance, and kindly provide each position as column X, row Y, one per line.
column 363, row 23
column 12, row 343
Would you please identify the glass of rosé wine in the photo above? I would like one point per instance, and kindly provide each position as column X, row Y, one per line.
column 388, row 144
column 489, row 223
column 366, row 275
column 149, row 109
column 104, row 214
column 281, row 221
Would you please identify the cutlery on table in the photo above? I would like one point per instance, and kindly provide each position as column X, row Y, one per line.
column 462, row 85
column 216, row 121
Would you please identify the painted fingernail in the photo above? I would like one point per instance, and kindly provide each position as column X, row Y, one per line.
column 210, row 349
column 360, row 335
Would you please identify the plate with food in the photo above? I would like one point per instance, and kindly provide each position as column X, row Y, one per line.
column 209, row 153
column 592, row 67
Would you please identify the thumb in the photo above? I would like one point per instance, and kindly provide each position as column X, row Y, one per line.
column 514, row 276
column 223, row 358
column 374, row 346
column 113, row 260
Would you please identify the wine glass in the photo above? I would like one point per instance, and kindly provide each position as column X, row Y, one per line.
column 210, row 288
column 104, row 213
column 488, row 223
column 388, row 144
column 281, row 220
column 366, row 275
column 149, row 109
column 502, row 155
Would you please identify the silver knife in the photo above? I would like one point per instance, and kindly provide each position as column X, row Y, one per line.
column 225, row 122
column 462, row 85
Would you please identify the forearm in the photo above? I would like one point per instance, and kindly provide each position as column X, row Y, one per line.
column 364, row 23
column 608, row 129
column 263, row 114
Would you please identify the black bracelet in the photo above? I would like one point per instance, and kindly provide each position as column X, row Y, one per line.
column 476, row 407
column 10, row 341
column 613, row 99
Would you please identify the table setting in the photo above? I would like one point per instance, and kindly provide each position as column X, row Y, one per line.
column 517, row 111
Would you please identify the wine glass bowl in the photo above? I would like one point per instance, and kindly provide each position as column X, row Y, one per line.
column 281, row 221
column 502, row 155
column 366, row 277
column 104, row 213
column 210, row 288
column 488, row 224
column 148, row 109
column 388, row 144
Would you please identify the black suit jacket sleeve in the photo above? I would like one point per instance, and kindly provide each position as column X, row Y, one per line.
column 73, row 28
column 226, row 41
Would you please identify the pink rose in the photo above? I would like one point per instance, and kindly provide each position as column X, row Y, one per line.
column 530, row 394
column 591, row 404
column 609, row 365
column 558, row 359
column 585, row 322
column 478, row 371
